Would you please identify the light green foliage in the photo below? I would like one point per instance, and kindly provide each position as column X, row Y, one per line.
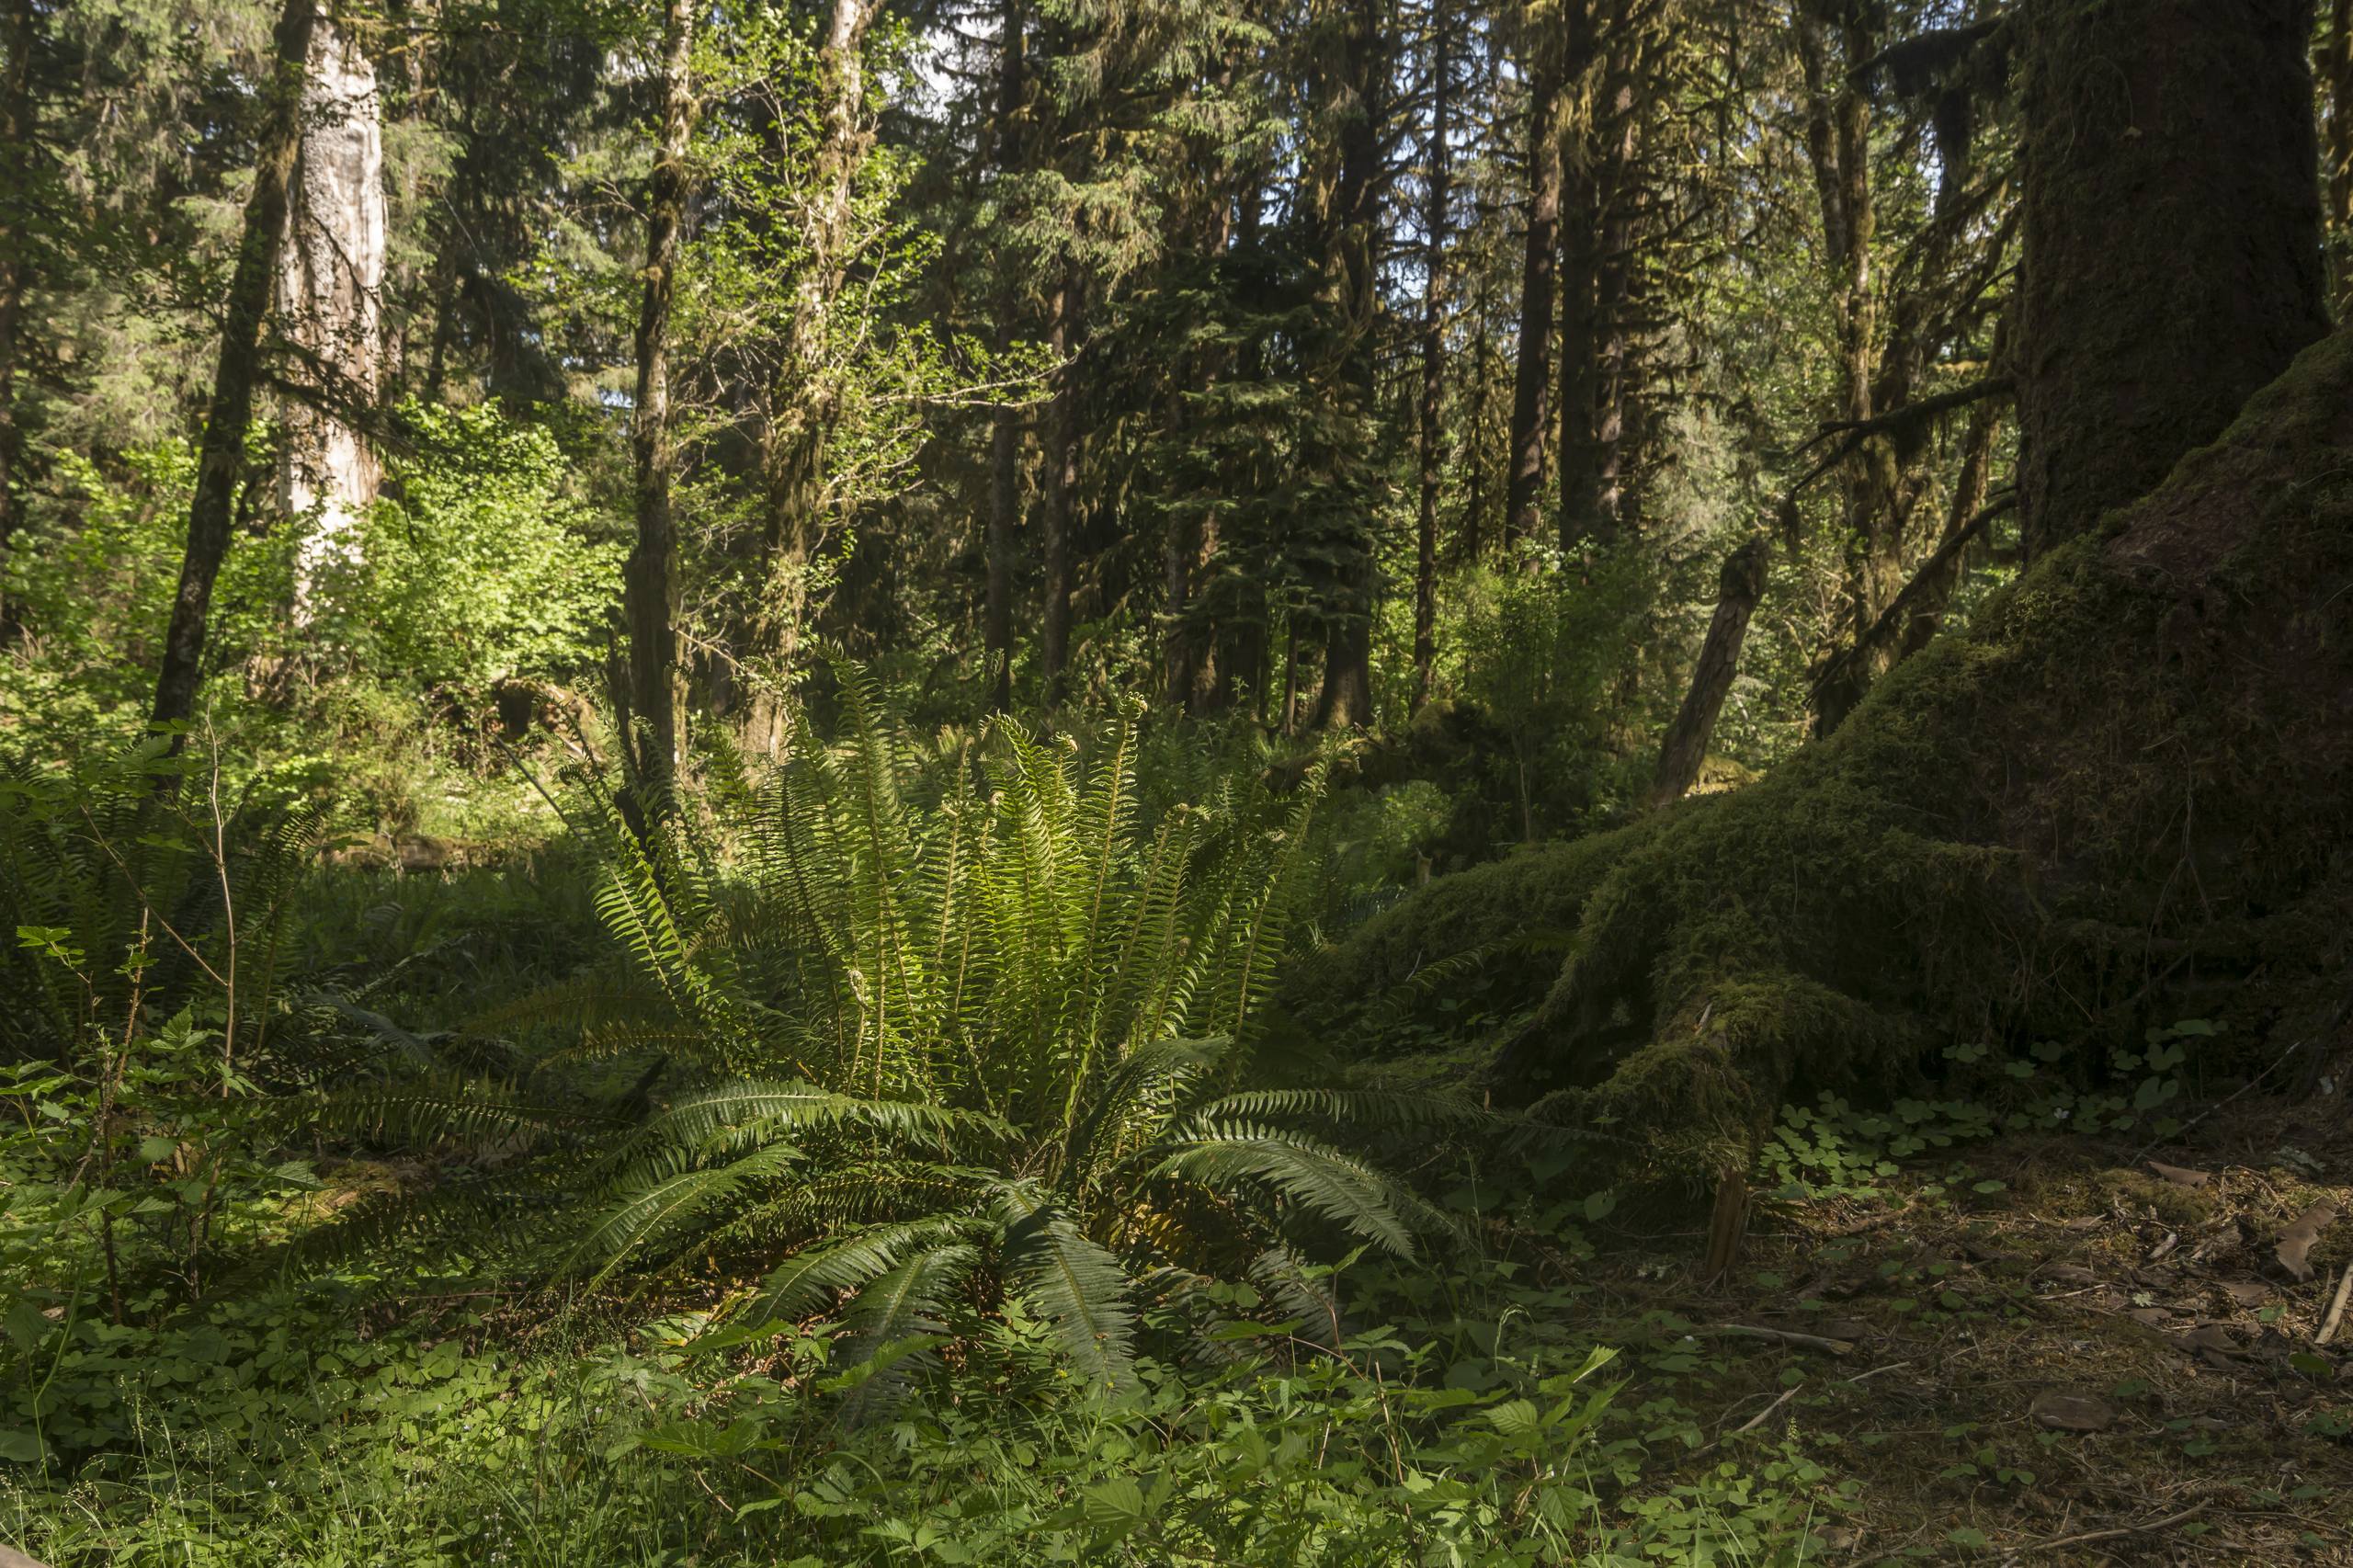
column 979, row 1017
column 482, row 564
column 95, row 572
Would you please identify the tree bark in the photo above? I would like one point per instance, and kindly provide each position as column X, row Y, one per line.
column 650, row 587
column 330, row 300
column 1345, row 698
column 1062, row 484
column 1738, row 587
column 804, row 406
column 18, row 118
column 1613, row 339
column 1005, row 433
column 1968, row 490
column 1531, row 383
column 1471, row 534
column 1580, row 288
column 2180, row 129
column 1437, row 196
column 228, row 414
column 2336, row 156
column 1838, row 139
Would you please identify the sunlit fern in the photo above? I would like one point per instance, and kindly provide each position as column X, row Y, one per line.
column 953, row 1027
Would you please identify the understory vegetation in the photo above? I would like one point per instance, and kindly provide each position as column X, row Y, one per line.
column 1456, row 783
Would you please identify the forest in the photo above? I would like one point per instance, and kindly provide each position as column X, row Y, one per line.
column 1246, row 782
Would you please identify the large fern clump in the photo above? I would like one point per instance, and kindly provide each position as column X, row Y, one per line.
column 947, row 1024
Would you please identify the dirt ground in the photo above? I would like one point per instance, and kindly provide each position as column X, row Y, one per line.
column 2050, row 1349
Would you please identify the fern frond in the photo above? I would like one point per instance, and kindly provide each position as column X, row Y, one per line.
column 1369, row 1108
column 1312, row 1174
column 905, row 1302
column 844, row 1263
column 694, row 1119
column 466, row 1113
column 1074, row 1283
column 665, row 1205
column 1284, row 1278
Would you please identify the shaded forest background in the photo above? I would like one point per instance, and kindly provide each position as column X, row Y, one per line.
column 1445, row 370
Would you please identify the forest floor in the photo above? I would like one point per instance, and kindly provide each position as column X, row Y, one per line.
column 2038, row 1348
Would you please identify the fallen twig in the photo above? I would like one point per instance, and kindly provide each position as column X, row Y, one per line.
column 1875, row 1371
column 1764, row 1415
column 2336, row 1309
column 1785, row 1337
column 2087, row 1536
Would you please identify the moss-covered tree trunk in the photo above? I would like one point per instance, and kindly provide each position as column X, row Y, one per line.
column 220, row 465
column 2172, row 229
column 2119, row 797
column 1533, row 373
column 654, row 694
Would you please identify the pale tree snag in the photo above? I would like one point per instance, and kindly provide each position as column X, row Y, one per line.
column 1738, row 587
column 222, row 456
column 330, row 299
column 653, row 707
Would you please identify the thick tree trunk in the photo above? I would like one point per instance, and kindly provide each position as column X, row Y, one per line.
column 650, row 587
column 1612, row 337
column 1580, row 286
column 1532, row 375
column 330, row 300
column 229, row 414
column 1738, row 587
column 1437, row 196
column 2180, row 129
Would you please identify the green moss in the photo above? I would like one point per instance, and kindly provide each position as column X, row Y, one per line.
column 2122, row 791
column 1508, row 921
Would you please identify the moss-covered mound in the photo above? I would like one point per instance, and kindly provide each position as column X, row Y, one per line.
column 2125, row 795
